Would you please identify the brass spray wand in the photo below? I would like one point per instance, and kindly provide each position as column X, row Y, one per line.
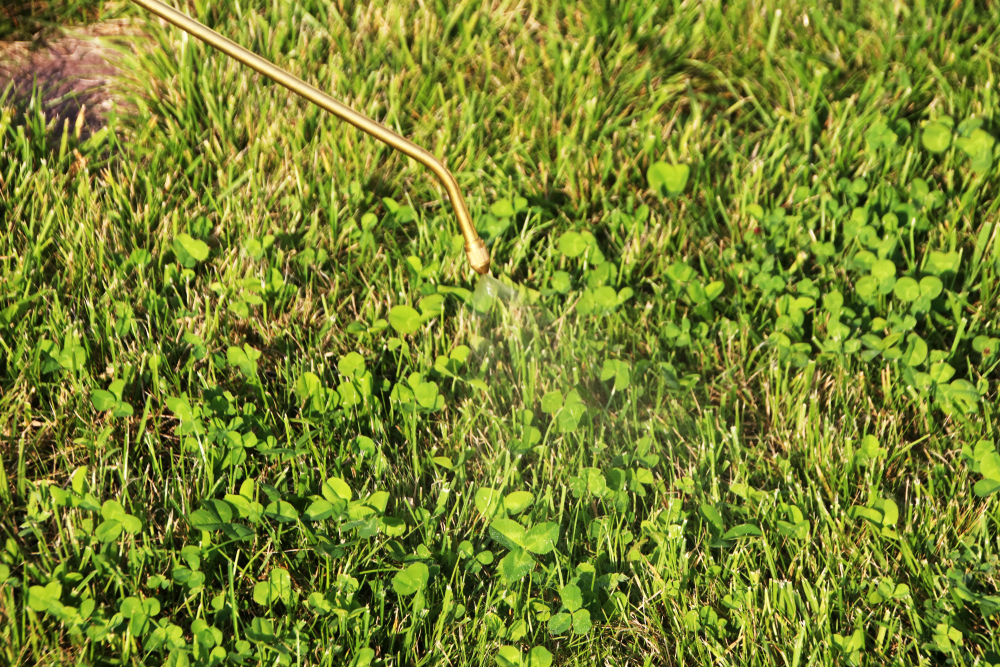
column 475, row 248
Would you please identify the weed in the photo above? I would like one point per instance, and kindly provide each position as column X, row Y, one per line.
column 729, row 398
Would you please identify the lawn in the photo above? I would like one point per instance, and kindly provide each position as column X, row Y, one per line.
column 742, row 409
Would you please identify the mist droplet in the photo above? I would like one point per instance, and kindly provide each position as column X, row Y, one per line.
column 488, row 290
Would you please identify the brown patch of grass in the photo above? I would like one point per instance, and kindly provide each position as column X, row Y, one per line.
column 73, row 76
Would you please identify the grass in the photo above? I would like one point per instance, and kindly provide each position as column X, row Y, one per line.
column 745, row 414
column 27, row 20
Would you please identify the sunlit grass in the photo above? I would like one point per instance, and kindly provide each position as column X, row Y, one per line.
column 255, row 406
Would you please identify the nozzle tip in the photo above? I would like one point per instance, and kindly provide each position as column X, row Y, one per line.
column 479, row 256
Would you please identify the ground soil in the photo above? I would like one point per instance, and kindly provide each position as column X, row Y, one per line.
column 74, row 72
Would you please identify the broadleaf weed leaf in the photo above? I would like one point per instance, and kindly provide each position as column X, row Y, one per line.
column 508, row 533
column 411, row 579
column 335, row 489
column 516, row 565
column 404, row 319
column 488, row 501
column 509, row 656
column 103, row 400
column 936, row 137
column 581, row 622
column 542, row 538
column 572, row 598
column 560, row 623
column 551, row 402
column 671, row 178
column 573, row 244
column 518, row 501
column 539, row 656
column 190, row 251
column 502, row 209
